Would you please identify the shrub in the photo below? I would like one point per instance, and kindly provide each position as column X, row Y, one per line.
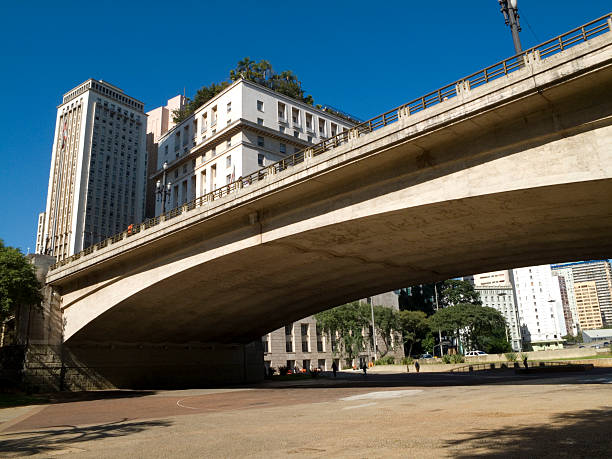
column 386, row 360
column 407, row 361
column 457, row 358
column 511, row 356
column 446, row 358
column 283, row 370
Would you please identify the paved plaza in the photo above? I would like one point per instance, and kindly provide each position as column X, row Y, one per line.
column 381, row 415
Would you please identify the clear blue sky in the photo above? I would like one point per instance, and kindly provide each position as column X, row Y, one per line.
column 362, row 57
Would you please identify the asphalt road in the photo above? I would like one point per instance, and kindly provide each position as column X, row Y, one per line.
column 401, row 415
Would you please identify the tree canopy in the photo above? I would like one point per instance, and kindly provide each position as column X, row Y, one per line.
column 285, row 82
column 347, row 321
column 18, row 282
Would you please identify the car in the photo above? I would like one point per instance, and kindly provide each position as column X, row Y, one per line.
column 606, row 343
column 426, row 356
column 475, row 353
column 580, row 347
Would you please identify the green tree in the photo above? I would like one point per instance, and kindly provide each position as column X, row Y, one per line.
column 348, row 321
column 386, row 321
column 260, row 72
column 457, row 291
column 18, row 283
column 414, row 328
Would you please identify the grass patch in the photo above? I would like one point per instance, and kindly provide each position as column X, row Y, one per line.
column 12, row 400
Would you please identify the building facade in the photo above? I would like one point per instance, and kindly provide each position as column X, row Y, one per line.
column 587, row 304
column 496, row 291
column 597, row 271
column 540, row 309
column 568, row 298
column 242, row 129
column 98, row 166
column 159, row 121
column 303, row 345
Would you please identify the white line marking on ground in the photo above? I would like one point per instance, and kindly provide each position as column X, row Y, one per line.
column 183, row 406
column 358, row 406
column 382, row 395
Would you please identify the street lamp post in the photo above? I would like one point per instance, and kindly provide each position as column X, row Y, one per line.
column 163, row 189
column 510, row 12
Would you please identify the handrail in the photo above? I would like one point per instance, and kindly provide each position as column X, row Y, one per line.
column 556, row 45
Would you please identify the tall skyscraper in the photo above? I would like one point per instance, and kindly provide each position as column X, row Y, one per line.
column 568, row 298
column 589, row 313
column 98, row 166
column 597, row 271
column 538, row 297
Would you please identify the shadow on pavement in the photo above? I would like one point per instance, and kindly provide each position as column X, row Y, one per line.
column 439, row 379
column 580, row 434
column 66, row 438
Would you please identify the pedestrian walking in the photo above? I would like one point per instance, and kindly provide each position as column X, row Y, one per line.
column 334, row 368
column 417, row 367
column 525, row 362
column 364, row 367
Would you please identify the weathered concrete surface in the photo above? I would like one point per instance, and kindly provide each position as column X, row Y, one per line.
column 515, row 172
column 416, row 416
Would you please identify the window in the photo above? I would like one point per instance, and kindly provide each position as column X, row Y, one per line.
column 204, row 122
column 305, row 340
column 228, row 179
column 321, row 127
column 228, row 143
column 213, row 116
column 229, row 107
column 260, row 121
column 281, row 128
column 265, row 342
column 283, row 148
column 295, row 116
column 296, row 134
column 228, row 161
column 213, row 151
column 281, row 112
column 334, row 129
column 260, row 106
column 289, row 338
column 309, row 121
column 260, row 159
column 260, row 141
column 310, row 138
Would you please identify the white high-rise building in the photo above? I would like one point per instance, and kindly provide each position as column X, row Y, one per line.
column 538, row 297
column 496, row 291
column 242, row 129
column 98, row 166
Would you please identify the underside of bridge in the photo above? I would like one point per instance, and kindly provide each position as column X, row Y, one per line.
column 522, row 181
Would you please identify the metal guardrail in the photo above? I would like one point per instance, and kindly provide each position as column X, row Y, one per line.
column 556, row 45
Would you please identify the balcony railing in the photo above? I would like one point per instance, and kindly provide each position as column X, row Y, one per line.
column 556, row 45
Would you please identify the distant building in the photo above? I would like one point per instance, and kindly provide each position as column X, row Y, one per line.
column 597, row 336
column 303, row 344
column 496, row 291
column 599, row 272
column 98, row 166
column 568, row 298
column 159, row 121
column 242, row 129
column 538, row 297
column 587, row 304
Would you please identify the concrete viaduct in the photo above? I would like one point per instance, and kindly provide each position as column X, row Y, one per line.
column 502, row 170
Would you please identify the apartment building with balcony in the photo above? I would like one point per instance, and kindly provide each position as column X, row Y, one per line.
column 244, row 128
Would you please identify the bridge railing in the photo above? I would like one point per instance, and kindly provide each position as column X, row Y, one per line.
column 556, row 45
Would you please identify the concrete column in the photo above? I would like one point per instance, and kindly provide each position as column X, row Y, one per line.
column 463, row 87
